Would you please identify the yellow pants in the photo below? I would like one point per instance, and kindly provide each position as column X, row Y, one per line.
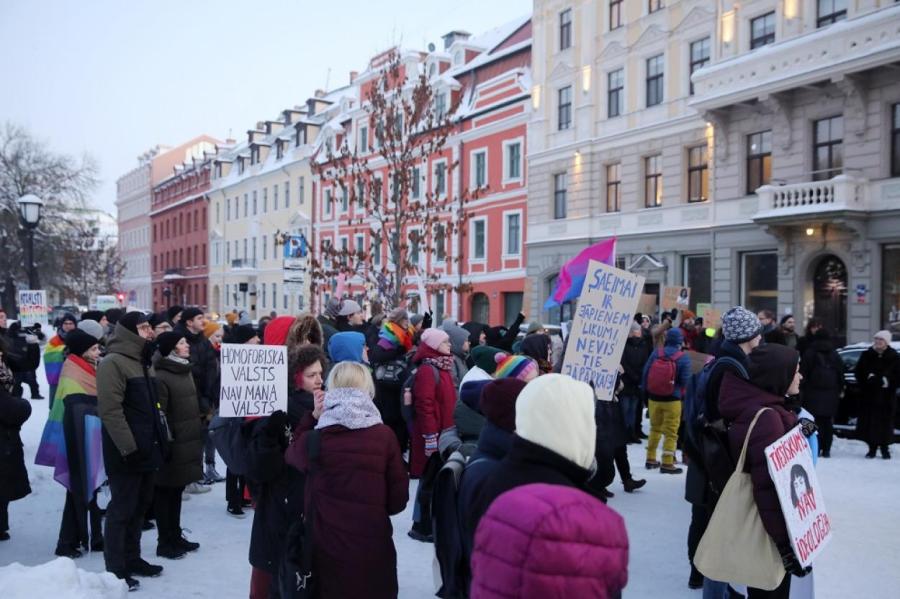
column 665, row 416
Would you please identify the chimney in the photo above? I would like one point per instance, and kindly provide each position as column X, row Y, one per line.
column 353, row 76
column 319, row 93
column 455, row 35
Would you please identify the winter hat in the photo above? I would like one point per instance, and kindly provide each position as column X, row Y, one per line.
column 636, row 327
column 434, row 337
column 167, row 341
column 68, row 317
column 92, row 328
column 113, row 315
column 740, row 325
column 534, row 327
column 458, row 337
column 333, row 308
column 557, row 412
column 78, row 341
column 494, row 335
column 210, row 329
column 772, row 367
column 785, row 318
column 416, row 319
column 884, row 335
column 131, row 320
column 518, row 367
column 173, row 311
column 346, row 347
column 685, row 314
column 349, row 307
column 449, row 322
column 674, row 337
column 92, row 315
column 190, row 313
column 276, row 332
column 483, row 355
column 470, row 393
column 536, row 347
column 498, row 402
column 398, row 315
column 243, row 333
column 231, row 318
column 243, row 318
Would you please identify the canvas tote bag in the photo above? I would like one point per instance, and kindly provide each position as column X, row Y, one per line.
column 736, row 547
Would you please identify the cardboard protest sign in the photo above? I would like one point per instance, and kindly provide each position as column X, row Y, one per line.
column 606, row 309
column 676, row 297
column 698, row 360
column 254, row 380
column 32, row 307
column 647, row 304
column 791, row 467
column 712, row 317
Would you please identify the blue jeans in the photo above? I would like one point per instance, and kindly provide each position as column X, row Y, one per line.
column 628, row 403
column 714, row 590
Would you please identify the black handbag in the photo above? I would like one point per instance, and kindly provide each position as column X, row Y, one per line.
column 297, row 580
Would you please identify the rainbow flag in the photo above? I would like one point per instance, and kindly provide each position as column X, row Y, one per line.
column 54, row 356
column 77, row 378
column 572, row 274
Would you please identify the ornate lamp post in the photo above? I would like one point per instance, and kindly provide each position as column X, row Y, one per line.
column 30, row 215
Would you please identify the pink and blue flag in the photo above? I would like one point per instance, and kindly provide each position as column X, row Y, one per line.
column 572, row 274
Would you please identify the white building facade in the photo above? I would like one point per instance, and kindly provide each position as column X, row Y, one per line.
column 133, row 195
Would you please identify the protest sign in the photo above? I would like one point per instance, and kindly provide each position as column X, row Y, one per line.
column 712, row 318
column 791, row 467
column 647, row 304
column 606, row 308
column 676, row 297
column 32, row 307
column 254, row 380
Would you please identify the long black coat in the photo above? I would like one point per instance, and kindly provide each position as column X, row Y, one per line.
column 634, row 357
column 823, row 378
column 14, row 411
column 178, row 400
column 878, row 404
column 204, row 367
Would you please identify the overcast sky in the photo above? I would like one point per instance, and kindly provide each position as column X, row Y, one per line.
column 115, row 78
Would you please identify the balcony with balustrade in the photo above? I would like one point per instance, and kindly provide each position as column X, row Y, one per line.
column 812, row 200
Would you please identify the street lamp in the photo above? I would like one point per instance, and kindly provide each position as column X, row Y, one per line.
column 30, row 214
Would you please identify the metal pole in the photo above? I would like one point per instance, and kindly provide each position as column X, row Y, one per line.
column 33, row 280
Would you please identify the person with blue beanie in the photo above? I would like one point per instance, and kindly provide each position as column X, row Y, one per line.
column 348, row 346
column 665, row 380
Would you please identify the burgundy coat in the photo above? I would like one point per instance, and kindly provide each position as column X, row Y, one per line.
column 739, row 400
column 433, row 403
column 359, row 482
column 549, row 541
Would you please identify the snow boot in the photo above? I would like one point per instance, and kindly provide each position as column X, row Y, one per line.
column 69, row 552
column 632, row 485
column 187, row 545
column 418, row 536
column 170, row 551
column 196, row 489
column 133, row 583
column 4, row 535
column 670, row 469
column 885, row 452
column 236, row 511
column 651, row 464
column 210, row 476
column 141, row 567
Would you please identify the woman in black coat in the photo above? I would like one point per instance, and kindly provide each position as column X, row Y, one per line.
column 823, row 383
column 878, row 376
column 14, row 411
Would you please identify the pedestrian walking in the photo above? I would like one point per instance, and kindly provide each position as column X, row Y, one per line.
column 823, row 385
column 665, row 380
column 878, row 375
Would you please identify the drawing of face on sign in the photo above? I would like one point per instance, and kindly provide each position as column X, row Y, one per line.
column 799, row 484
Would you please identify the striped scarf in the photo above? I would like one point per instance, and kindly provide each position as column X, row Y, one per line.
column 78, row 377
column 54, row 356
column 393, row 335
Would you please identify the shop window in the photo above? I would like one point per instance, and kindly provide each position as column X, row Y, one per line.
column 759, row 281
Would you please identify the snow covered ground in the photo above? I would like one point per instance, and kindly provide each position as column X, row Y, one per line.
column 861, row 496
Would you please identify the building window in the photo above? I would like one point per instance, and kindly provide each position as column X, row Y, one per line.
column 360, row 245
column 698, row 174
column 615, row 94
column 513, row 162
column 363, row 140
column 227, row 214
column 828, row 150
column 345, row 199
column 287, row 193
column 759, row 160
column 653, row 181
column 655, row 80
column 275, row 197
column 564, row 109
column 565, row 29
column 890, row 288
column 415, row 184
column 559, row 195
column 762, row 30
column 699, row 57
column 254, row 202
column 440, row 242
column 440, row 105
column 440, row 179
column 265, row 251
column 513, row 234
column 697, row 273
column 218, row 212
column 895, row 140
column 479, row 171
column 479, row 241
column 265, row 200
column 613, row 187
column 759, row 281
column 327, row 201
column 655, row 5
column 615, row 14
column 246, row 205
column 560, row 314
column 375, row 248
column 830, row 11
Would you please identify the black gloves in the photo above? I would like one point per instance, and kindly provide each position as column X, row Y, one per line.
column 792, row 564
column 275, row 424
column 427, row 320
column 808, row 427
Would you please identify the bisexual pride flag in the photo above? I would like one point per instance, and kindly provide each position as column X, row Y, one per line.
column 572, row 274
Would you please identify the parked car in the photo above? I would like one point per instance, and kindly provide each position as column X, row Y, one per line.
column 848, row 408
column 58, row 312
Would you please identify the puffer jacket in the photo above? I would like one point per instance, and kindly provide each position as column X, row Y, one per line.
column 126, row 404
column 178, row 400
column 739, row 401
column 548, row 541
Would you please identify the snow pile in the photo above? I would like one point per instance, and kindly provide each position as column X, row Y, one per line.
column 59, row 579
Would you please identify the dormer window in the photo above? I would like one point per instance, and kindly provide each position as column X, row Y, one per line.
column 440, row 104
column 432, row 70
column 458, row 57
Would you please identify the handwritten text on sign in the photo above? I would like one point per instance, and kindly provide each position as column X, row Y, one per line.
column 791, row 468
column 606, row 309
column 254, row 380
column 32, row 307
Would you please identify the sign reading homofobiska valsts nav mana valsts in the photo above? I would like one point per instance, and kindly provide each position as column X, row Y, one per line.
column 254, row 380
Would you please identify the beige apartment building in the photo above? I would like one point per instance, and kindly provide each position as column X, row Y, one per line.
column 748, row 150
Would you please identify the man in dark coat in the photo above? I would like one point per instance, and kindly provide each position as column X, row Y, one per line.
column 823, row 383
column 634, row 356
column 133, row 443
column 878, row 375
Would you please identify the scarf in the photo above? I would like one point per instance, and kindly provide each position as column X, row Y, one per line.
column 54, row 356
column 6, row 377
column 441, row 363
column 349, row 407
column 393, row 335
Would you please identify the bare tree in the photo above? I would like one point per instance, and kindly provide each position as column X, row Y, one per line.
column 408, row 128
